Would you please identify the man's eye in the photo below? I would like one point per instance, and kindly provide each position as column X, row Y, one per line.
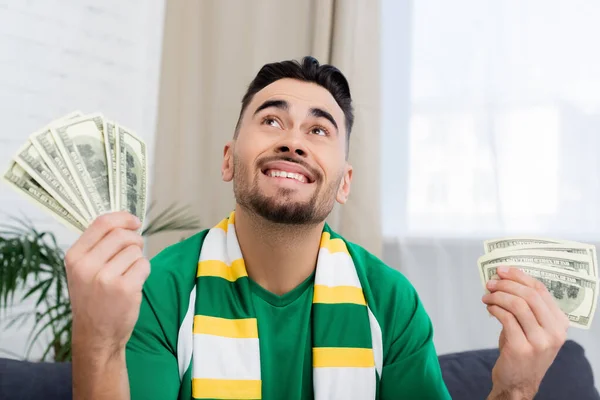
column 319, row 131
column 271, row 122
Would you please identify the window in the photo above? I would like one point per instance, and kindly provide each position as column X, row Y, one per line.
column 491, row 118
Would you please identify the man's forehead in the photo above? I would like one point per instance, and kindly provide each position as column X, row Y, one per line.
column 299, row 94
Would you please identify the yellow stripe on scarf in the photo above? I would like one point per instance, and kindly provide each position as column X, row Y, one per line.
column 203, row 388
column 224, row 327
column 342, row 357
column 333, row 245
column 338, row 294
column 223, row 224
column 219, row 269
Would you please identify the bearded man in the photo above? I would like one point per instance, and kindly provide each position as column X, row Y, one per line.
column 271, row 303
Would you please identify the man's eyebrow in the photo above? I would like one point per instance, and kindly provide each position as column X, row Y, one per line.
column 320, row 113
column 281, row 104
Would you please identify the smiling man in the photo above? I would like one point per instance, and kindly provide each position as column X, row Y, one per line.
column 271, row 303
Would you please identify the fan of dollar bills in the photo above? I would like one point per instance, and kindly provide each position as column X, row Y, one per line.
column 568, row 269
column 81, row 166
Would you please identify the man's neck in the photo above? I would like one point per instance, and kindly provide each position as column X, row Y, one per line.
column 278, row 257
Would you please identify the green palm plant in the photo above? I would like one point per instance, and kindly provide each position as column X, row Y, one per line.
column 32, row 263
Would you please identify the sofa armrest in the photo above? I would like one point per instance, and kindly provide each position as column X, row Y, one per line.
column 24, row 380
column 468, row 375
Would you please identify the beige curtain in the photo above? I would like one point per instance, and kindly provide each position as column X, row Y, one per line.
column 212, row 49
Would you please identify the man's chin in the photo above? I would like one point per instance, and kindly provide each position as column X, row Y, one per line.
column 283, row 211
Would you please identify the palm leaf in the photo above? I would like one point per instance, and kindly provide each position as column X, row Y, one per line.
column 37, row 331
column 33, row 261
column 23, row 316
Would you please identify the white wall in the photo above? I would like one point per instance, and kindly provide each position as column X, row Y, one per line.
column 57, row 56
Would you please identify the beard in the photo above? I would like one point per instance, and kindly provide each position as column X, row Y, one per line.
column 281, row 208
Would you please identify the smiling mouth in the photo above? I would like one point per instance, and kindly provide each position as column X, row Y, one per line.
column 276, row 173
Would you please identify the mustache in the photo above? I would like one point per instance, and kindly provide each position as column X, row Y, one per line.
column 299, row 161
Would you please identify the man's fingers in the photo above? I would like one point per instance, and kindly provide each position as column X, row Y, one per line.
column 121, row 262
column 519, row 308
column 117, row 240
column 543, row 313
column 138, row 272
column 516, row 275
column 97, row 230
column 512, row 329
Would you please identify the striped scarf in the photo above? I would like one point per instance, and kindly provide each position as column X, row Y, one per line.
column 347, row 349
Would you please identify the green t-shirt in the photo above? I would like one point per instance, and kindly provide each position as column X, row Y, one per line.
column 410, row 366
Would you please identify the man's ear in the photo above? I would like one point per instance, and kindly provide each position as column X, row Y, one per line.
column 227, row 166
column 344, row 189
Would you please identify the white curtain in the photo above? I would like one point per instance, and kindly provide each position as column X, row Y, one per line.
column 211, row 51
column 491, row 127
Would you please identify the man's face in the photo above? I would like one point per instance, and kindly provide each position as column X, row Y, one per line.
column 288, row 163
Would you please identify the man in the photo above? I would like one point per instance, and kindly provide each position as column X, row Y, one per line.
column 270, row 303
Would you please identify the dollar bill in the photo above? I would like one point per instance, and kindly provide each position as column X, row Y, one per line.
column 26, row 185
column 566, row 247
column 574, row 263
column 131, row 172
column 510, row 242
column 31, row 161
column 44, row 143
column 110, row 143
column 575, row 295
column 81, row 143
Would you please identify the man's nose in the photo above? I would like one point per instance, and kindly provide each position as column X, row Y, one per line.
column 292, row 143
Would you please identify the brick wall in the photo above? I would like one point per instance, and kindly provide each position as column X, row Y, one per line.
column 57, row 56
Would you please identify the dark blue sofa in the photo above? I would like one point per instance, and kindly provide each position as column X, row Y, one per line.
column 467, row 375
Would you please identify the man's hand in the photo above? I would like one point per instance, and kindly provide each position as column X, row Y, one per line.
column 105, row 272
column 534, row 330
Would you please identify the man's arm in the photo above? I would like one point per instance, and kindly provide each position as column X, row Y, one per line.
column 146, row 369
column 106, row 271
column 533, row 331
column 98, row 374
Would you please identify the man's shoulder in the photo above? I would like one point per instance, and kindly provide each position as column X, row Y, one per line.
column 383, row 285
column 394, row 302
column 176, row 263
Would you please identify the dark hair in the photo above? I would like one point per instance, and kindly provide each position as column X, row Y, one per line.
column 309, row 70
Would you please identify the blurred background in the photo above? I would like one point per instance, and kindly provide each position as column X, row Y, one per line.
column 475, row 119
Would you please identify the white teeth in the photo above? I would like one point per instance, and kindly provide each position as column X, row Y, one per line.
column 289, row 175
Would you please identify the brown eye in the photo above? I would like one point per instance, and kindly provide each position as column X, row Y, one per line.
column 319, row 131
column 271, row 122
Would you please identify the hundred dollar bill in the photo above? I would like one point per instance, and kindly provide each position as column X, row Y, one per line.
column 110, row 143
column 576, row 295
column 510, row 242
column 131, row 172
column 516, row 243
column 31, row 161
column 566, row 247
column 574, row 263
column 81, row 143
column 26, row 185
column 44, row 143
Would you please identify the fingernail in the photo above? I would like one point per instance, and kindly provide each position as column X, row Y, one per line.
column 503, row 269
column 492, row 284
